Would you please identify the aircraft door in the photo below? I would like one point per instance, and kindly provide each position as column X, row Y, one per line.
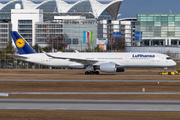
column 127, row 58
column 158, row 58
column 42, row 58
column 152, row 61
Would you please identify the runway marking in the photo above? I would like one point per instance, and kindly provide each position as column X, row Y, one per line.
column 4, row 95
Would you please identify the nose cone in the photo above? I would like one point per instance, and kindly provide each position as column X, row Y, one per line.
column 174, row 63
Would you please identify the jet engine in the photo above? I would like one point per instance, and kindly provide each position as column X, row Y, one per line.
column 108, row 67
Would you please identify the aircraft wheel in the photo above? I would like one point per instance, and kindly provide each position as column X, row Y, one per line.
column 92, row 73
column 169, row 73
column 96, row 72
column 160, row 73
column 86, row 73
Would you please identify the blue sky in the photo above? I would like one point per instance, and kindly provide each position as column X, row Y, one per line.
column 129, row 8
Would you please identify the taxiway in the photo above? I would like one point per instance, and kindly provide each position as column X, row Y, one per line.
column 89, row 105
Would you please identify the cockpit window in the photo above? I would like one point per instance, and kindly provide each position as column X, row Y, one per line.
column 168, row 58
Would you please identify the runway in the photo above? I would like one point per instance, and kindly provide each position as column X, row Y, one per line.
column 36, row 80
column 89, row 105
column 92, row 93
column 88, row 75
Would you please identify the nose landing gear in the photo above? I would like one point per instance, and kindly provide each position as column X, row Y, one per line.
column 92, row 72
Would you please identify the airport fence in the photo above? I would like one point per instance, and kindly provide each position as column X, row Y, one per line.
column 20, row 64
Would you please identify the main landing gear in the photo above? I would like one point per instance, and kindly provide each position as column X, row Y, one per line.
column 92, row 72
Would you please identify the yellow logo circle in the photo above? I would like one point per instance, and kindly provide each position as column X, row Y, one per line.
column 20, row 43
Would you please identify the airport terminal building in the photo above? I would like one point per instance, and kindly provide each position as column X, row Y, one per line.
column 160, row 33
column 159, row 29
column 40, row 20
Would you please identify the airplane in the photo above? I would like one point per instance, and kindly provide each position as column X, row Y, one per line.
column 105, row 62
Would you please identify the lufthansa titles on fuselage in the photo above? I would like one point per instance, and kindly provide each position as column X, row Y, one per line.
column 143, row 56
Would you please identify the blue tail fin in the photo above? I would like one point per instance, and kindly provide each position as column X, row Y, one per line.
column 21, row 44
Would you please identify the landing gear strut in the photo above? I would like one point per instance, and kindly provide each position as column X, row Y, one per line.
column 92, row 72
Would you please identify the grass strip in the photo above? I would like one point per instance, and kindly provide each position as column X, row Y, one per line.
column 87, row 115
column 96, row 97
column 14, row 86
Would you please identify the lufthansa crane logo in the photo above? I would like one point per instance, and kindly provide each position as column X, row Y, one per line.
column 20, row 43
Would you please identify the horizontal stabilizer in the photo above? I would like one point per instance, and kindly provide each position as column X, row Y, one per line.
column 17, row 56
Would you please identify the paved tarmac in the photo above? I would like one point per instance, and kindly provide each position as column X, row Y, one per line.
column 93, row 75
column 89, row 105
column 35, row 80
column 4, row 95
column 93, row 93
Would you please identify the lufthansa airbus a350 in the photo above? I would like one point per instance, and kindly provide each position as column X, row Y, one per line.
column 105, row 62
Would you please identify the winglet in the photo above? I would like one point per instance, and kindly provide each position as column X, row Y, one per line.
column 21, row 44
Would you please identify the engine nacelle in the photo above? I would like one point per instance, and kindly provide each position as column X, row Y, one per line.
column 120, row 69
column 108, row 67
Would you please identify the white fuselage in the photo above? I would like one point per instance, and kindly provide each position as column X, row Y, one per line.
column 123, row 60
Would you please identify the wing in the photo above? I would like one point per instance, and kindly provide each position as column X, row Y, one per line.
column 17, row 56
column 79, row 60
